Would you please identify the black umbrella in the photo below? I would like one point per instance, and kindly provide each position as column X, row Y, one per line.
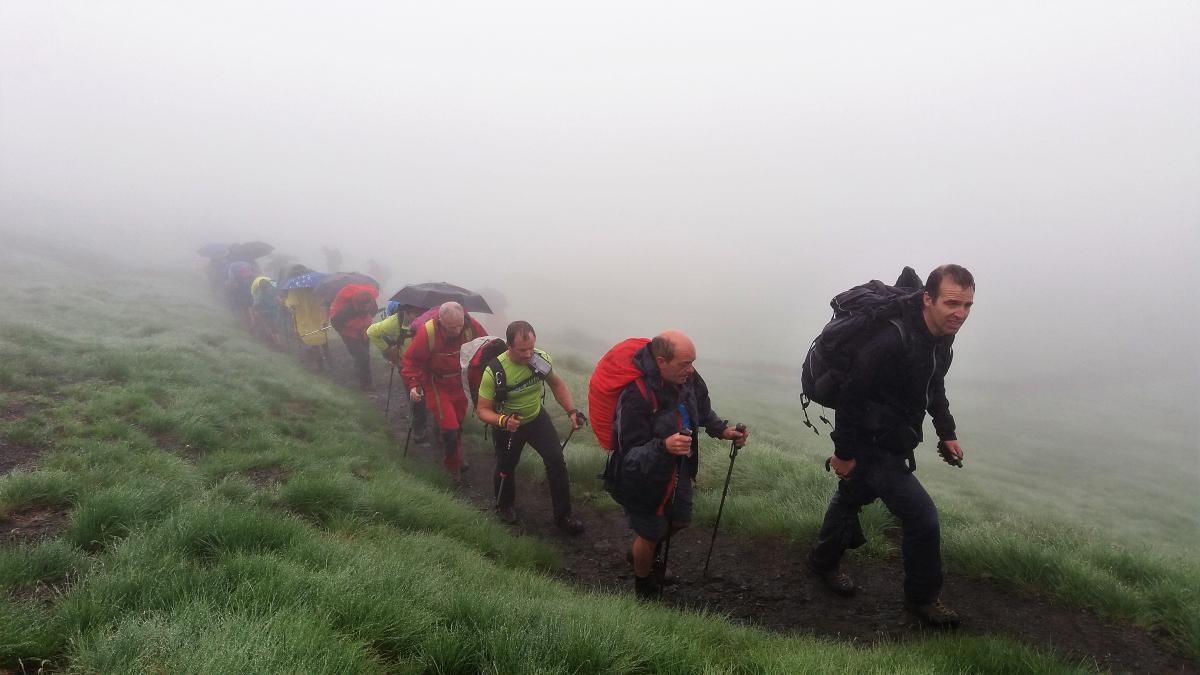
column 250, row 250
column 213, row 250
column 328, row 289
column 437, row 292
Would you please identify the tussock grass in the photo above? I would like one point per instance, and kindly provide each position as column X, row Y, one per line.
column 46, row 562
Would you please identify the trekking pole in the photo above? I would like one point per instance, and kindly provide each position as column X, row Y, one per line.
column 674, row 488
column 582, row 421
column 408, row 436
column 733, row 453
column 500, row 491
column 670, row 532
column 314, row 332
column 387, row 408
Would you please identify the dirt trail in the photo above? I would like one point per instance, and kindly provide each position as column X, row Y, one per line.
column 763, row 581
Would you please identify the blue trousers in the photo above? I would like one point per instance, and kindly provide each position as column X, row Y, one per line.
column 885, row 477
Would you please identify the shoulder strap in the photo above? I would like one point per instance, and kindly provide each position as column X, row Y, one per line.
column 898, row 322
column 430, row 333
column 647, row 393
column 501, row 379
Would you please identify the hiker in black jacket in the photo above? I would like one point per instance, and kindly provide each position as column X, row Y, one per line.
column 652, row 468
column 897, row 375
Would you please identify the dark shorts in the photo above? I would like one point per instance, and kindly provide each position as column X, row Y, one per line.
column 649, row 525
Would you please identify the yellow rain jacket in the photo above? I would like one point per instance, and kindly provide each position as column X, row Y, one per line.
column 309, row 315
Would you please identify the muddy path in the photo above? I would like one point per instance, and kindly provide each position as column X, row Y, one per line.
column 763, row 582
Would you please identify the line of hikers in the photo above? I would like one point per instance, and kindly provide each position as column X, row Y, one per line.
column 880, row 363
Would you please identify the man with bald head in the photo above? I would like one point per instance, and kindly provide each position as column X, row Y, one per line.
column 433, row 374
column 652, row 468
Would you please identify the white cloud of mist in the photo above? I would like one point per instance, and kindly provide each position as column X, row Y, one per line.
column 637, row 166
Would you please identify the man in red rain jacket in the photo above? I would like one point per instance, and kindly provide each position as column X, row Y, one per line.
column 432, row 373
column 350, row 314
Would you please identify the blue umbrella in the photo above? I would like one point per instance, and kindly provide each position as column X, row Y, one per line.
column 308, row 280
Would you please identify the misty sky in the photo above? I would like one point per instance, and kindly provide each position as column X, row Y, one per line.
column 724, row 169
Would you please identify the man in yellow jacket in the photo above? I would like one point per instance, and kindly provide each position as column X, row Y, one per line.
column 391, row 335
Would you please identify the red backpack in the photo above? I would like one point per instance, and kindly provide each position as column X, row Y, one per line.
column 615, row 370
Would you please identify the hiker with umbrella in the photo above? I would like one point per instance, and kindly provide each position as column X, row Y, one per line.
column 350, row 312
column 239, row 274
column 432, row 373
column 266, row 310
column 391, row 336
column 308, row 314
column 651, row 471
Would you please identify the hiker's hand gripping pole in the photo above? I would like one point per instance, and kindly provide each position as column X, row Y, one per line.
column 578, row 421
column 733, row 453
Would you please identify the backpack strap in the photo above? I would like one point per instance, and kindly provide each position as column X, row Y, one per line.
column 898, row 322
column 501, row 385
column 430, row 333
column 648, row 394
column 501, row 379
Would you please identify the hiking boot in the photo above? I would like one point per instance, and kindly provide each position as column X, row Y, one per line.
column 646, row 588
column 834, row 579
column 571, row 526
column 934, row 614
column 506, row 514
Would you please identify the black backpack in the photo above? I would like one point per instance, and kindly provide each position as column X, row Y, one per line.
column 857, row 312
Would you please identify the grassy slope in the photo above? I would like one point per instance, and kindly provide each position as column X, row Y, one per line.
column 151, row 410
column 781, row 489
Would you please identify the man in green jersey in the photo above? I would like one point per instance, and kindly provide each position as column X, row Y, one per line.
column 511, row 395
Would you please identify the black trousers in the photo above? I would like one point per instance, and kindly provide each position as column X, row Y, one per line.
column 539, row 433
column 360, row 351
column 887, row 478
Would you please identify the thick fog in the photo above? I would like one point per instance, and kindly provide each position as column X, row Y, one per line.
column 627, row 167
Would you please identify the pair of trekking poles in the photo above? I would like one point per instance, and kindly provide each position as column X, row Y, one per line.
column 733, row 453
column 583, row 420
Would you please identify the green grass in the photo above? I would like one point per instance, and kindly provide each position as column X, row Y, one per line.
column 152, row 411
column 780, row 488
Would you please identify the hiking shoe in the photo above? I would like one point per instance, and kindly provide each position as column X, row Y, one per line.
column 506, row 514
column 571, row 526
column 935, row 614
column 834, row 579
column 646, row 588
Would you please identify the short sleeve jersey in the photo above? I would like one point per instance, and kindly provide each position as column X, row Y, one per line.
column 524, row 395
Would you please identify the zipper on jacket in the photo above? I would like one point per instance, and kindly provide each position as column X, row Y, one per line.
column 931, row 374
